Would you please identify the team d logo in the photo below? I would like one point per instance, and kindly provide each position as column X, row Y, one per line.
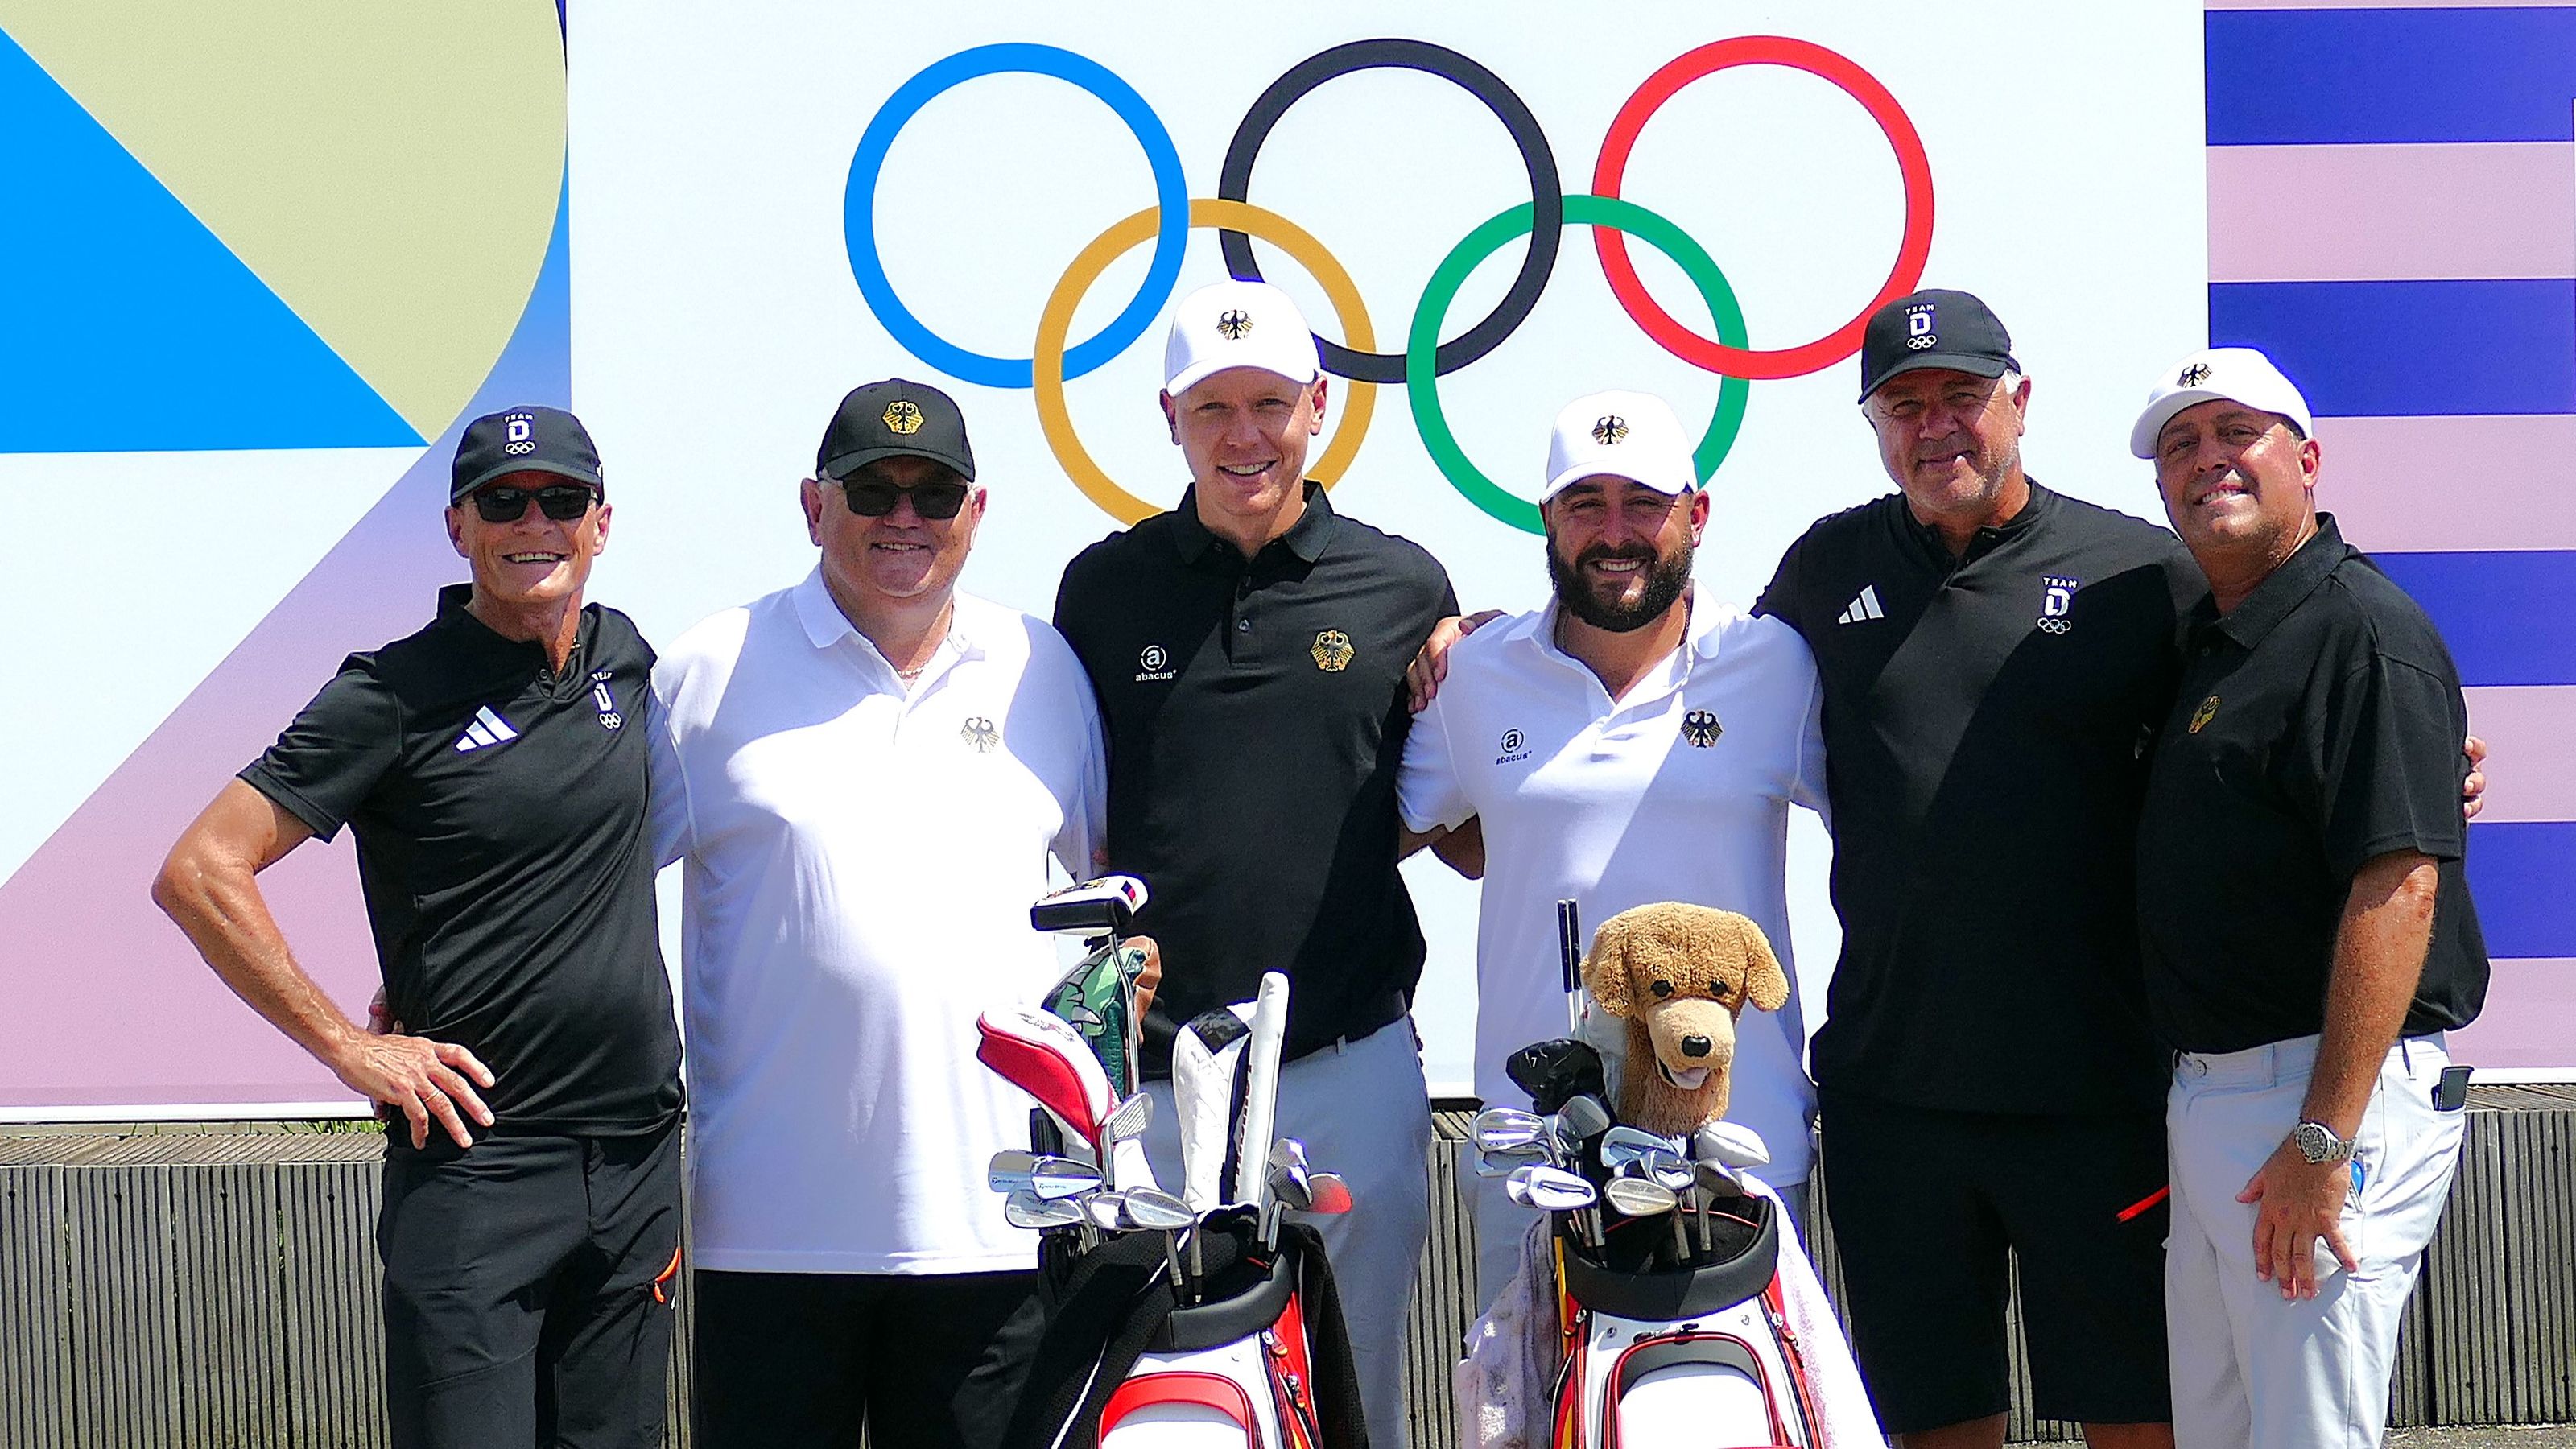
column 1701, row 728
column 519, row 435
column 1920, row 320
column 979, row 734
column 2208, row 710
column 2056, row 602
column 902, row 418
column 1333, row 651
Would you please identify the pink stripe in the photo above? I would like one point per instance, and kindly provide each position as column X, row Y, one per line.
column 2441, row 484
column 2529, row 1020
column 2531, row 739
column 2391, row 213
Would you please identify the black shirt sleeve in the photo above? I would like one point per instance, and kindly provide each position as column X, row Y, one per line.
column 1780, row 596
column 2387, row 750
column 330, row 759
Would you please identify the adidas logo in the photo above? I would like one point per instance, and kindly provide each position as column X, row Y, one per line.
column 484, row 731
column 1863, row 608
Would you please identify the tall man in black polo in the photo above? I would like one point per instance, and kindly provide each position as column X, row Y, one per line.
column 1249, row 649
column 2308, row 929
column 1995, row 659
column 493, row 767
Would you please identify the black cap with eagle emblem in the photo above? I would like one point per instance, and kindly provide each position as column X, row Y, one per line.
column 894, row 418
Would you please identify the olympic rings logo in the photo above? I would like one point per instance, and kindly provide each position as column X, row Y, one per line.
column 1054, row 358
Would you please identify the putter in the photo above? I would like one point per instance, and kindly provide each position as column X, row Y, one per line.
column 1101, row 911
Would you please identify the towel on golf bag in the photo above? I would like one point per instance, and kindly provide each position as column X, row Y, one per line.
column 1106, row 1308
column 1505, row 1385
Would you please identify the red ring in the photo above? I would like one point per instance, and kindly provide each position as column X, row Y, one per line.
column 1815, row 60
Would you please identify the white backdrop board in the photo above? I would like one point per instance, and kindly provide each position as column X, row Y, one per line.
column 716, row 317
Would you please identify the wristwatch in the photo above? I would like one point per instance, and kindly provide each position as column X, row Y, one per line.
column 2318, row 1143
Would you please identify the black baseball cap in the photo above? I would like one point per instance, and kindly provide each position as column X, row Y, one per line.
column 1933, row 328
column 895, row 418
column 524, row 440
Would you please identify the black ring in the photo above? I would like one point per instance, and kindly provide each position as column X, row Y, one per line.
column 1547, row 194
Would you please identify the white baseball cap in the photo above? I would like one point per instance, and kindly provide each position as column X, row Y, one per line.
column 2238, row 374
column 1237, row 324
column 1631, row 435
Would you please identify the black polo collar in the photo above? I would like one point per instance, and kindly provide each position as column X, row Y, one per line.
column 515, row 653
column 2281, row 591
column 2040, row 503
column 1306, row 538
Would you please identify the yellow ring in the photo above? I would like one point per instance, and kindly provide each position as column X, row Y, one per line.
column 1047, row 358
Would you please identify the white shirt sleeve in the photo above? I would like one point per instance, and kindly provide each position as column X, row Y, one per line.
column 1428, row 792
column 1810, row 787
column 673, row 826
column 1086, row 810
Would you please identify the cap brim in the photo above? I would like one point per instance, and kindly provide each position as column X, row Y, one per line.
column 1568, row 477
column 841, row 467
column 1974, row 364
column 459, row 492
column 1199, row 372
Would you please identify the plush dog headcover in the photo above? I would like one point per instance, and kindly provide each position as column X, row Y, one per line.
column 1680, row 975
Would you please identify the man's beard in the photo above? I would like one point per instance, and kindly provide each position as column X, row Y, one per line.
column 1666, row 578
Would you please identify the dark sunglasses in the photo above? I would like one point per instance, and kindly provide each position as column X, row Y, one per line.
column 562, row 502
column 872, row 499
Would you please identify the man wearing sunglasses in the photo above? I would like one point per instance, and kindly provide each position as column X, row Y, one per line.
column 865, row 776
column 493, row 766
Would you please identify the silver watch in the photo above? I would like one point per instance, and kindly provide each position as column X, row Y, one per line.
column 2318, row 1143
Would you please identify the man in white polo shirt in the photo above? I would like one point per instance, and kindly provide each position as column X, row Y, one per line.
column 1632, row 742
column 865, row 775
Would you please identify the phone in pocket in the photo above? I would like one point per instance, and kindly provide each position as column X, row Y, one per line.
column 2451, row 1091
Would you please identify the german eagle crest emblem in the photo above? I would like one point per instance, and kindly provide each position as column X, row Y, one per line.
column 2193, row 376
column 1701, row 728
column 1333, row 651
column 979, row 733
column 1232, row 325
column 2208, row 710
column 902, row 418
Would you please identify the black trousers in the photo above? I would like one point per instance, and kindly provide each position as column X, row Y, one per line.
column 526, row 1291
column 801, row 1360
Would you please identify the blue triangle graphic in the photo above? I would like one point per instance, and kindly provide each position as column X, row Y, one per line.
column 127, row 326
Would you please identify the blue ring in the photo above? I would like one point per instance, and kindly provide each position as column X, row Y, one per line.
column 858, row 210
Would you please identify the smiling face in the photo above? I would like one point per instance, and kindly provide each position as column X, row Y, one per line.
column 535, row 561
column 1618, row 552
column 1244, row 433
column 2239, row 484
column 1951, row 440
column 878, row 561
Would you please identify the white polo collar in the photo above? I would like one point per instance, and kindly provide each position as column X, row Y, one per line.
column 825, row 624
column 1538, row 629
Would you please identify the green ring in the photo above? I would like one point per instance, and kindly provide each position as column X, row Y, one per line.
column 1421, row 377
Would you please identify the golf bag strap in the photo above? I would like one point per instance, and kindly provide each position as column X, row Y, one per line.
column 1776, row 1307
column 1097, row 1327
column 1338, row 1416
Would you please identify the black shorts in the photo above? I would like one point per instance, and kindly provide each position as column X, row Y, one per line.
column 527, row 1290
column 926, row 1361
column 1925, row 1204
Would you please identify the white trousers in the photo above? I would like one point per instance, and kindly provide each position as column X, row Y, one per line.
column 1363, row 1111
column 2251, row 1368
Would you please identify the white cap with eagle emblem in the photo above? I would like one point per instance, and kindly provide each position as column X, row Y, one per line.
column 1631, row 435
column 2238, row 374
column 1237, row 324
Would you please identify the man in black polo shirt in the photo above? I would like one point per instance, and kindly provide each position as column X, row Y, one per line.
column 2307, row 925
column 1249, row 649
column 493, row 767
column 1995, row 659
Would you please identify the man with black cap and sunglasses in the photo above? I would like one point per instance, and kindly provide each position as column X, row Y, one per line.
column 865, row 776
column 493, row 766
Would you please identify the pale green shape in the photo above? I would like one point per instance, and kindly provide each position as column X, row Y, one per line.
column 390, row 168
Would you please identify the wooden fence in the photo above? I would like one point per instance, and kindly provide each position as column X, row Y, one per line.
column 213, row 1289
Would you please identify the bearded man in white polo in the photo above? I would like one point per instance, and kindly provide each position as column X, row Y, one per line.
column 1634, row 741
column 866, row 775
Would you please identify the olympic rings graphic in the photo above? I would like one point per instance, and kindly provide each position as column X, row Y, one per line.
column 859, row 202
column 1601, row 213
column 1425, row 358
column 1547, row 195
column 1861, row 86
column 1241, row 217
